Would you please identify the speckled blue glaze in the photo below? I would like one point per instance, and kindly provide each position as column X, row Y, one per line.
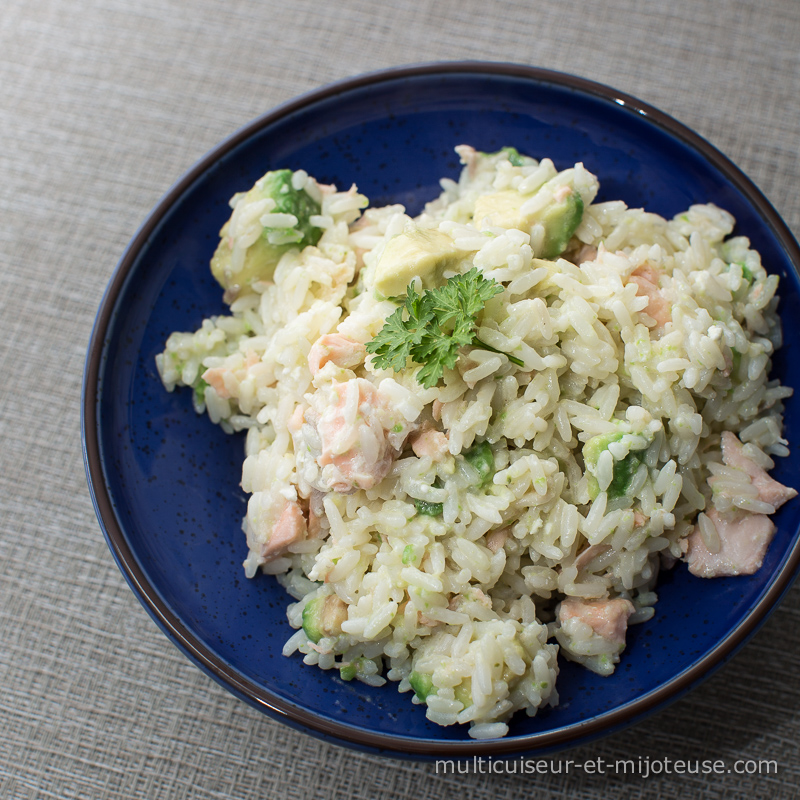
column 166, row 481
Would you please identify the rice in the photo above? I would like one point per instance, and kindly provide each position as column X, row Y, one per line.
column 456, row 539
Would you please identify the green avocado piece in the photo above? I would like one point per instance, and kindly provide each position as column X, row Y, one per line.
column 422, row 684
column 596, row 445
column 591, row 452
column 624, row 470
column 463, row 692
column 481, row 458
column 747, row 274
column 423, row 253
column 560, row 222
column 348, row 672
column 200, row 391
column 262, row 256
column 502, row 209
column 623, row 474
column 260, row 260
column 736, row 358
column 512, row 154
column 428, row 509
column 560, row 218
column 288, row 200
column 323, row 616
column 312, row 619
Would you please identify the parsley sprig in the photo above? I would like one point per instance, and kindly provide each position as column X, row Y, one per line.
column 431, row 327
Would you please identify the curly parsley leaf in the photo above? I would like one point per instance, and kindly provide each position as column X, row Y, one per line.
column 399, row 337
column 437, row 351
column 463, row 297
column 429, row 329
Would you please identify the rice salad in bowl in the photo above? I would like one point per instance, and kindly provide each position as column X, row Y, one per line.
column 475, row 437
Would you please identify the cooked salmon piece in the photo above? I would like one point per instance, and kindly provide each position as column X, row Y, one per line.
column 337, row 348
column 430, row 443
column 607, row 618
column 646, row 279
column 744, row 539
column 769, row 490
column 273, row 525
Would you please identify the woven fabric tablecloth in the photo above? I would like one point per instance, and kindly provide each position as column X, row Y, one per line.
column 104, row 104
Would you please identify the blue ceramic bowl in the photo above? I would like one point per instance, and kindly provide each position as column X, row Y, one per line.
column 165, row 482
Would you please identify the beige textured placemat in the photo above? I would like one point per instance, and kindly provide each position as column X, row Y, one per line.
column 102, row 105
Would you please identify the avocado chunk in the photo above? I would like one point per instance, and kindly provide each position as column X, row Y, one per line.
column 481, row 458
column 503, row 209
column 199, row 392
column 560, row 217
column 596, row 445
column 591, row 452
column 323, row 617
column 560, row 222
column 623, row 475
column 513, row 155
column 423, row 253
column 263, row 254
column 422, row 684
column 409, row 554
column 428, row 509
column 463, row 692
column 312, row 619
column 624, row 469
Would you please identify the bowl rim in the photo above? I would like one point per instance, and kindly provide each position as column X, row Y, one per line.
column 264, row 699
